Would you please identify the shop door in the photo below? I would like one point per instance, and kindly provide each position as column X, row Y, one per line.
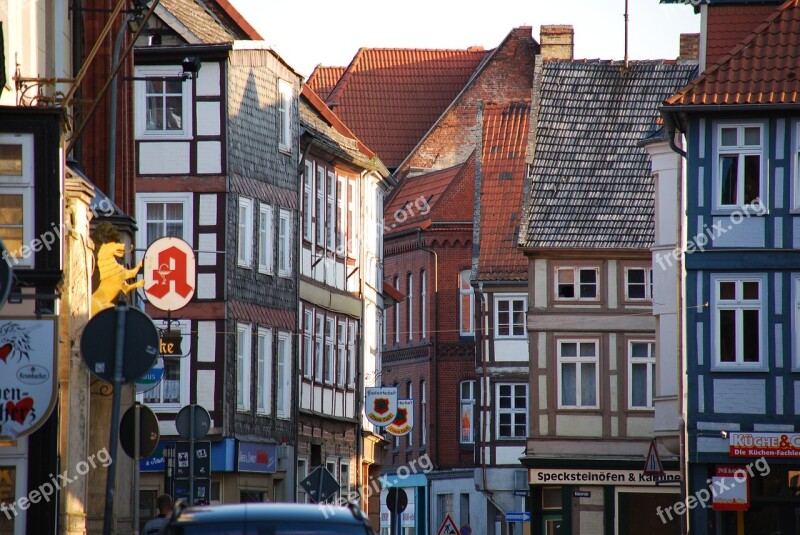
column 551, row 525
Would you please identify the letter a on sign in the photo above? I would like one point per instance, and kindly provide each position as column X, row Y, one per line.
column 652, row 465
column 169, row 273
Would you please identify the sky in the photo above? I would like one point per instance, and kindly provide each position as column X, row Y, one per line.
column 314, row 32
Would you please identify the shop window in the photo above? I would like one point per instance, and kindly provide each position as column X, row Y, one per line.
column 551, row 498
column 252, row 496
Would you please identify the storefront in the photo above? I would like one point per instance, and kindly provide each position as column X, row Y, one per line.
column 594, row 500
column 413, row 519
column 754, row 488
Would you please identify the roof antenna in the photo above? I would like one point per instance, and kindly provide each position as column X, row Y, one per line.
column 626, row 34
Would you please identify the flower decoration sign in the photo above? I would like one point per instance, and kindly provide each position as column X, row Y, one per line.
column 27, row 374
column 381, row 404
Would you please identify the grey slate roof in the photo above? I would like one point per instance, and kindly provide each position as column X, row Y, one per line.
column 200, row 26
column 590, row 182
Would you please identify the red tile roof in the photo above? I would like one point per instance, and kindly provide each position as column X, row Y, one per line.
column 324, row 79
column 391, row 97
column 445, row 195
column 505, row 139
column 760, row 70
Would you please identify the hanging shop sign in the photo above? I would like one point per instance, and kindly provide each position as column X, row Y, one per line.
column 169, row 273
column 780, row 445
column 403, row 421
column 27, row 374
column 381, row 404
column 731, row 486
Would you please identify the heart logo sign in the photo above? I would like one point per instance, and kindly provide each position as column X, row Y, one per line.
column 19, row 411
column 5, row 351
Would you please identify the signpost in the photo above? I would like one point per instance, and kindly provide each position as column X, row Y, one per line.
column 652, row 465
column 320, row 485
column 518, row 516
column 396, row 502
column 193, row 423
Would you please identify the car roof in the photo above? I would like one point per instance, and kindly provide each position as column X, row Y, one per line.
column 278, row 512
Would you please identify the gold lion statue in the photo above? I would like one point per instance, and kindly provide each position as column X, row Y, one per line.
column 113, row 277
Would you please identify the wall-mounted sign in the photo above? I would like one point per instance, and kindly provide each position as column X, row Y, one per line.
column 255, row 457
column 171, row 344
column 381, row 404
column 403, row 421
column 593, row 476
column 169, row 273
column 731, row 485
column 27, row 374
column 782, row 445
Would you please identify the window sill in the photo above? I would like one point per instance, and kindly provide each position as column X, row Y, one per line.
column 244, row 266
column 739, row 368
column 285, row 149
column 517, row 337
column 285, row 275
column 265, row 271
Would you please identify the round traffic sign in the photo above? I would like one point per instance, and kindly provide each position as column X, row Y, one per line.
column 396, row 500
column 202, row 422
column 148, row 432
column 140, row 348
column 169, row 273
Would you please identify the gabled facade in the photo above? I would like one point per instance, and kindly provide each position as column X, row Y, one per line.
column 499, row 280
column 740, row 296
column 587, row 233
column 217, row 161
column 340, row 310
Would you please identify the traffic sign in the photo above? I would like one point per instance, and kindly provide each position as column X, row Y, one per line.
column 652, row 465
column 140, row 348
column 202, row 459
column 396, row 500
column 152, row 378
column 148, row 431
column 320, row 485
column 202, row 422
column 518, row 516
column 448, row 527
column 466, row 530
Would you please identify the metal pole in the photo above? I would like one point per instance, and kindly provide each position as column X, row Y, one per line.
column 137, row 434
column 121, row 309
column 191, row 453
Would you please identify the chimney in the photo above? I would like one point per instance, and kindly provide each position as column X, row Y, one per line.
column 557, row 41
column 690, row 47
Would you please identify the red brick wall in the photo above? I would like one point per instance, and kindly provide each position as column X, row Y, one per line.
column 727, row 26
column 508, row 77
column 413, row 360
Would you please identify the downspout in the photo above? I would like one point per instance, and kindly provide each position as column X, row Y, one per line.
column 669, row 121
column 361, row 345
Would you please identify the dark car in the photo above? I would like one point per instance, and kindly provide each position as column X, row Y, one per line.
column 269, row 519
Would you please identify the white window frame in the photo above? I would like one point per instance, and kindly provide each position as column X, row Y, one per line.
column 284, row 378
column 464, row 404
column 140, row 100
column 650, row 363
column 465, row 289
column 511, row 299
column 330, row 218
column 244, row 233
column 397, row 313
column 513, row 411
column 22, row 185
column 410, row 435
column 576, row 283
column 266, row 239
column 319, row 347
column 423, row 301
column 341, row 216
column 648, row 283
column 308, row 343
column 308, row 203
column 184, row 327
column 410, row 305
column 330, row 347
column 351, row 354
column 264, row 372
column 302, row 472
column 244, row 335
column 352, row 218
column 143, row 199
column 285, row 233
column 741, row 150
column 423, row 416
column 341, row 354
column 344, row 479
column 578, row 361
column 739, row 305
column 319, row 214
column 285, row 97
